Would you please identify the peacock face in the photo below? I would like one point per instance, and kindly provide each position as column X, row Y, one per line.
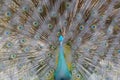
column 59, row 39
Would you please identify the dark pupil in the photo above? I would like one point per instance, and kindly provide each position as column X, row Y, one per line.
column 7, row 32
column 67, row 5
column 8, row 13
column 23, row 40
column 50, row 25
column 20, row 27
column 9, row 44
column 65, row 22
column 40, row 9
column 25, row 8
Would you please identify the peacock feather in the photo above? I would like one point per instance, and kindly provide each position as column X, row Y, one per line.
column 59, row 39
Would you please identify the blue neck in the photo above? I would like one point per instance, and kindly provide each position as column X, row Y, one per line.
column 62, row 72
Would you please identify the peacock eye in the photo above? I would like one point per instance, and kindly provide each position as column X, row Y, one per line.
column 35, row 23
column 20, row 65
column 37, row 37
column 85, row 65
column 23, row 40
column 9, row 44
column 41, row 47
column 52, row 70
column 27, row 49
column 52, row 47
column 104, row 43
column 81, row 27
column 25, row 8
column 8, row 14
column 47, row 75
column 50, row 26
column 20, row 27
column 7, row 32
column 78, row 17
column 42, row 62
column 13, row 56
column 78, row 75
column 79, row 39
column 65, row 22
column 67, row 5
column 48, row 54
column 93, row 27
column 74, row 72
column 40, row 9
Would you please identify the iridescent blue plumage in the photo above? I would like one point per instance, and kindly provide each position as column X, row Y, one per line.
column 62, row 72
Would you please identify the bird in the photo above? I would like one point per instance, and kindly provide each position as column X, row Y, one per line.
column 59, row 39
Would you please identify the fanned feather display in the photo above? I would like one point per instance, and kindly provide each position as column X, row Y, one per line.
column 59, row 39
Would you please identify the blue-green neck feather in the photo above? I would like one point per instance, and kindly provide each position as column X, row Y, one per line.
column 62, row 72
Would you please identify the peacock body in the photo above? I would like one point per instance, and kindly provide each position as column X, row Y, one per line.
column 59, row 39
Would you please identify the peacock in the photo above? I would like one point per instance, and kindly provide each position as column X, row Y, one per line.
column 59, row 39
